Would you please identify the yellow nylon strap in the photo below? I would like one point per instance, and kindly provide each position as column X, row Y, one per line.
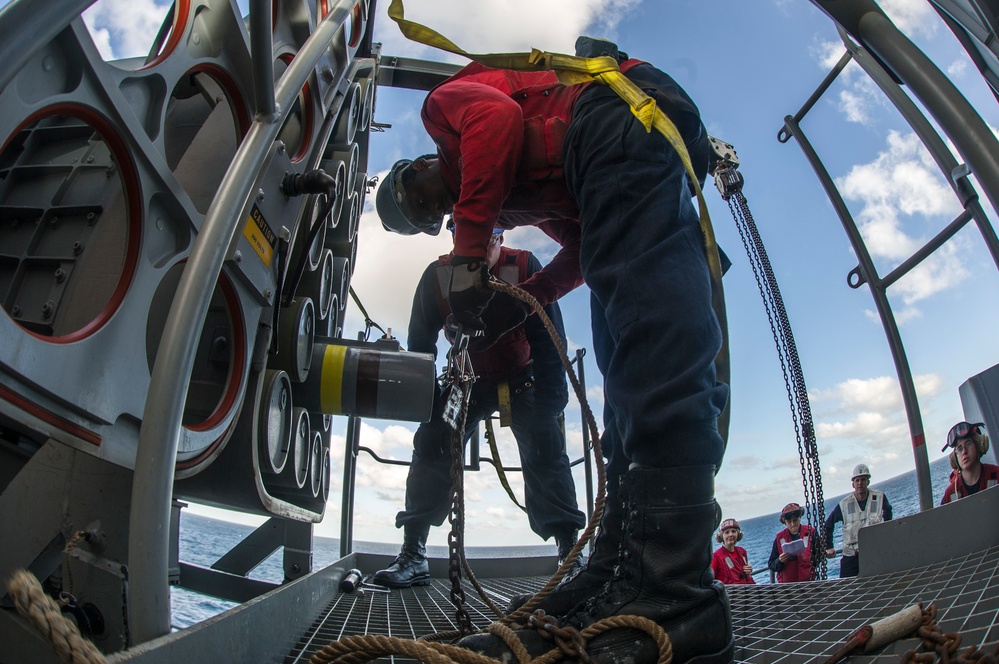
column 498, row 463
column 505, row 406
column 572, row 70
column 331, row 381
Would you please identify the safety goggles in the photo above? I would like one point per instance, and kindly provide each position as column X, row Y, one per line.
column 961, row 430
column 450, row 226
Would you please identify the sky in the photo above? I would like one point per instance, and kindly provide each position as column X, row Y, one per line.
column 747, row 65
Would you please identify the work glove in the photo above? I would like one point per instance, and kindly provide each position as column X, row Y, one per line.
column 503, row 314
column 469, row 294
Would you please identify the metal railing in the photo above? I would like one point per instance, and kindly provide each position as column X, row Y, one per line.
column 879, row 41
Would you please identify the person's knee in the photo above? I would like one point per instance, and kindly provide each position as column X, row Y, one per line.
column 431, row 441
column 547, row 441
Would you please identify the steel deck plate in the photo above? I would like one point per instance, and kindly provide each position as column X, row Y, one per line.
column 773, row 623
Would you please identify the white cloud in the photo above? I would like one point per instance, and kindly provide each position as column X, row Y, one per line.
column 902, row 315
column 901, row 183
column 386, row 285
column 828, row 54
column 854, row 106
column 957, row 68
column 102, row 39
column 124, row 28
column 879, row 394
column 913, row 17
column 863, row 426
column 515, row 25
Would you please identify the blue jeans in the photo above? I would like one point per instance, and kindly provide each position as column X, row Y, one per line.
column 642, row 255
column 549, row 490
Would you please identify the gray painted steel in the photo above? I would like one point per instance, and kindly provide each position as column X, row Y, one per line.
column 149, row 610
column 980, row 399
column 933, row 537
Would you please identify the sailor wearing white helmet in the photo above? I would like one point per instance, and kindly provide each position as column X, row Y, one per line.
column 863, row 507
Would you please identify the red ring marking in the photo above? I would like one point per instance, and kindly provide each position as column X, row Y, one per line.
column 131, row 190
column 176, row 32
column 235, row 97
column 48, row 416
column 356, row 30
column 306, row 105
column 239, row 351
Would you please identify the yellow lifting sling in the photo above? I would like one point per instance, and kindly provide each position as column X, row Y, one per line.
column 572, row 70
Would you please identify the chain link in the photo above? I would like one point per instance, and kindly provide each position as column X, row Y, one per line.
column 459, row 375
column 941, row 646
column 794, row 381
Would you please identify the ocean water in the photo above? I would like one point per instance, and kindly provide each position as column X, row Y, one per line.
column 902, row 495
column 203, row 541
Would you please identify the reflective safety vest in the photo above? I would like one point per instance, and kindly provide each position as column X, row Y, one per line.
column 855, row 518
column 956, row 489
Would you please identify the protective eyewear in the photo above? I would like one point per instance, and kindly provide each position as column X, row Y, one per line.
column 961, row 430
column 450, row 226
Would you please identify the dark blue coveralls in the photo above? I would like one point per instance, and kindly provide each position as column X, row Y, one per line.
column 537, row 395
column 642, row 256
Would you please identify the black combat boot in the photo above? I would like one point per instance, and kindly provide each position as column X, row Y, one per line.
column 410, row 567
column 580, row 586
column 663, row 573
column 565, row 540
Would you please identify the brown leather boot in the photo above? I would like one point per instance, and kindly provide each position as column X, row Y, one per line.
column 663, row 573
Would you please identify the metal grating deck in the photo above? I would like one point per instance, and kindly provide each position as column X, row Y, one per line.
column 408, row 613
column 773, row 623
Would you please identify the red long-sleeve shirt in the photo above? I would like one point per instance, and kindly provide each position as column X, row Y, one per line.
column 728, row 566
column 499, row 136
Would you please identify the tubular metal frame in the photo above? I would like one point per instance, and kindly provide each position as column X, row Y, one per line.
column 865, row 22
column 159, row 436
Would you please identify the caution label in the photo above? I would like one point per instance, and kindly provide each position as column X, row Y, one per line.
column 260, row 236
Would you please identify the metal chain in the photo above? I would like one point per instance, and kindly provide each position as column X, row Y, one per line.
column 460, row 376
column 794, row 381
column 943, row 647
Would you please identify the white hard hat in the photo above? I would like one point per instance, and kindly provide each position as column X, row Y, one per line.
column 861, row 470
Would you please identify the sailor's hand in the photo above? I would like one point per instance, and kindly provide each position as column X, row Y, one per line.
column 503, row 314
column 784, row 557
column 830, row 553
column 469, row 294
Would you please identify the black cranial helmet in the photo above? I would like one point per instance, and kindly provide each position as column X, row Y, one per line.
column 393, row 207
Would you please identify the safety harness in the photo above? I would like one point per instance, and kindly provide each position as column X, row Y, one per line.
column 573, row 70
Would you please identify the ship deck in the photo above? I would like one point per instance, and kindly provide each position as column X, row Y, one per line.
column 772, row 623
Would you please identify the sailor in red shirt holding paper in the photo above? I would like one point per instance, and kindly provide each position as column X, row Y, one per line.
column 791, row 563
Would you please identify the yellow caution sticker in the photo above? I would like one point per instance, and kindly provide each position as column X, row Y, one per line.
column 260, row 236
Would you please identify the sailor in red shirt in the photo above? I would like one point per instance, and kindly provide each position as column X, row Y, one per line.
column 792, row 568
column 730, row 563
column 516, row 149
column 969, row 443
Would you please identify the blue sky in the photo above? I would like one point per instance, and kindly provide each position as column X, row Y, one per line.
column 747, row 65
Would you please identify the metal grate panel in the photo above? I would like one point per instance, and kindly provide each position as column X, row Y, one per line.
column 790, row 624
column 408, row 613
column 798, row 622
